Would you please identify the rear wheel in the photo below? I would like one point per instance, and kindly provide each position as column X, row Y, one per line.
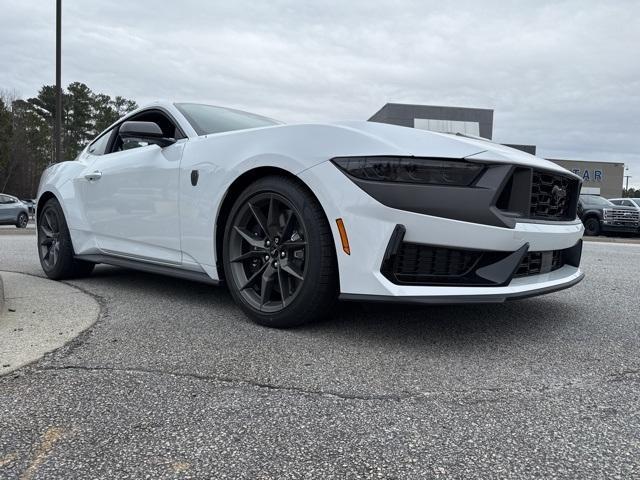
column 22, row 220
column 54, row 245
column 592, row 227
column 278, row 255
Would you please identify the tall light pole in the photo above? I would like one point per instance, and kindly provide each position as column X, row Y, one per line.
column 627, row 177
column 58, row 122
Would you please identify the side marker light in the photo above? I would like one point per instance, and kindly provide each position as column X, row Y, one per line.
column 343, row 236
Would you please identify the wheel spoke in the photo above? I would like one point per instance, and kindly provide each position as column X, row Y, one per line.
column 251, row 240
column 262, row 222
column 301, row 243
column 247, row 255
column 292, row 270
column 54, row 253
column 266, row 287
column 252, row 279
column 51, row 221
column 46, row 241
column 272, row 215
column 281, row 287
column 46, row 230
column 288, row 227
column 45, row 220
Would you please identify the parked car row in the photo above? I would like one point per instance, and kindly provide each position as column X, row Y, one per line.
column 602, row 216
column 13, row 211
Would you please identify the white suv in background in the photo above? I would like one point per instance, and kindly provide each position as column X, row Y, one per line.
column 627, row 202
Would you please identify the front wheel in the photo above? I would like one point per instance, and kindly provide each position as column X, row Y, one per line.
column 592, row 227
column 54, row 245
column 22, row 220
column 278, row 255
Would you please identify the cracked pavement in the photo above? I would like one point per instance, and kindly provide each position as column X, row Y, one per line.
column 174, row 382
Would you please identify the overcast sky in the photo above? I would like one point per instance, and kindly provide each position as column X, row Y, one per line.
column 564, row 76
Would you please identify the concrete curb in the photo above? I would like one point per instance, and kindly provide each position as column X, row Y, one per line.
column 39, row 316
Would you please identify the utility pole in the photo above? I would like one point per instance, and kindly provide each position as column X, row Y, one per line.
column 627, row 177
column 57, row 131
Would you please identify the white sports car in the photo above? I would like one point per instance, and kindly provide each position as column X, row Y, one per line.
column 291, row 217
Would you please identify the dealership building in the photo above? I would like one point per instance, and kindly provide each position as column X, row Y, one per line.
column 599, row 178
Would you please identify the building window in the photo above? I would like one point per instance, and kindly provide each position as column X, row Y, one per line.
column 447, row 126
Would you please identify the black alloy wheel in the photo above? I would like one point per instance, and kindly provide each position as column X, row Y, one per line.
column 268, row 252
column 592, row 227
column 49, row 238
column 22, row 221
column 277, row 257
column 55, row 249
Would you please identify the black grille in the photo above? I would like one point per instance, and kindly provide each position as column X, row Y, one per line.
column 553, row 196
column 419, row 263
column 535, row 263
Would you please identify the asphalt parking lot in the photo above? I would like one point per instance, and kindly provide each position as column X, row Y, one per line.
column 173, row 381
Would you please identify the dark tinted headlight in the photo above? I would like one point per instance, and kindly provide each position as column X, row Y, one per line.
column 434, row 171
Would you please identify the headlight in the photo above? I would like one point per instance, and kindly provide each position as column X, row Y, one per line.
column 606, row 212
column 434, row 171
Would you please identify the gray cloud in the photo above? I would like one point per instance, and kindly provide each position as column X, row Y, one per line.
column 561, row 75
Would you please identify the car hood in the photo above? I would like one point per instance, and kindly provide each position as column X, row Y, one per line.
column 418, row 143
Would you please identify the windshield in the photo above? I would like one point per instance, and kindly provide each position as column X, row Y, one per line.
column 595, row 200
column 636, row 201
column 207, row 119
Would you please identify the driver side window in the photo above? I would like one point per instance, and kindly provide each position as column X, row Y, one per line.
column 99, row 146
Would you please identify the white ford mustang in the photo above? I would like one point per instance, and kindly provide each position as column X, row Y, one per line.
column 291, row 217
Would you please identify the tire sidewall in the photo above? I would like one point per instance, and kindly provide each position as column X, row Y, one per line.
column 292, row 314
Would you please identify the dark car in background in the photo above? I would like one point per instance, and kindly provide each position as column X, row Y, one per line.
column 599, row 215
column 13, row 211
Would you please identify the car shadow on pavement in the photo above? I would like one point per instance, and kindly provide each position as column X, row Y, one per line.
column 377, row 323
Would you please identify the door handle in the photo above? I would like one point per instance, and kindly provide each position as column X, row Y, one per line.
column 92, row 177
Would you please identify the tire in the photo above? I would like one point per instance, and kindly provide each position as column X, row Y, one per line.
column 55, row 249
column 592, row 227
column 22, row 220
column 277, row 230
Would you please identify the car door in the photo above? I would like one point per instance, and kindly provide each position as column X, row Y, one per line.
column 130, row 199
column 5, row 209
column 8, row 208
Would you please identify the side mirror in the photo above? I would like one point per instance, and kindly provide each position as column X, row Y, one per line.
column 146, row 132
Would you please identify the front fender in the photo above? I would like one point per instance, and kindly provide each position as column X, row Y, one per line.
column 58, row 180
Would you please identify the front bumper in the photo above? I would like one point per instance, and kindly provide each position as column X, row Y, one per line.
column 611, row 226
column 370, row 225
column 515, row 292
